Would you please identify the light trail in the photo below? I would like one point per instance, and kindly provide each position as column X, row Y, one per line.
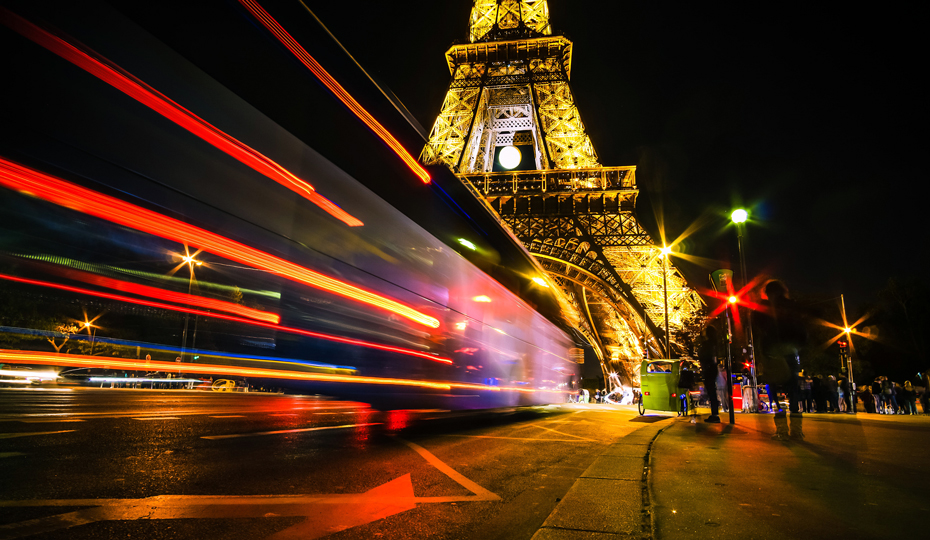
column 125, row 82
column 73, row 360
column 233, row 318
column 168, row 296
column 70, row 195
column 285, row 38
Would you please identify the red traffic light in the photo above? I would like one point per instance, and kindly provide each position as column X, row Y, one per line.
column 842, row 344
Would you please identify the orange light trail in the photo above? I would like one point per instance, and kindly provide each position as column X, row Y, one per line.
column 168, row 296
column 75, row 197
column 74, row 360
column 285, row 38
column 232, row 318
column 28, row 357
column 125, row 82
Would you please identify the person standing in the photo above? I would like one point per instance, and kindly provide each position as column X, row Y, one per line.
column 877, row 395
column 909, row 398
column 805, row 383
column 722, row 387
column 832, row 395
column 707, row 357
column 925, row 395
column 783, row 331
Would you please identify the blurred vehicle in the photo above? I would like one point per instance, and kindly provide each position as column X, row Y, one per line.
column 158, row 198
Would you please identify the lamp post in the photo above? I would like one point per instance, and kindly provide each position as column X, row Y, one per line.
column 665, row 252
column 739, row 217
column 191, row 261
column 93, row 335
column 851, row 383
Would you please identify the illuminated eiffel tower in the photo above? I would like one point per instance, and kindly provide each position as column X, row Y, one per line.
column 510, row 89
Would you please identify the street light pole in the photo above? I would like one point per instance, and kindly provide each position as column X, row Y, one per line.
column 851, row 387
column 190, row 285
column 665, row 252
column 739, row 217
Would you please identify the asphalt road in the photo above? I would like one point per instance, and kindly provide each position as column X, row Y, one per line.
column 156, row 464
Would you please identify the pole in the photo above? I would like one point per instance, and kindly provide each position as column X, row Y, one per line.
column 854, row 397
column 668, row 351
column 749, row 336
column 730, row 371
column 93, row 337
column 187, row 316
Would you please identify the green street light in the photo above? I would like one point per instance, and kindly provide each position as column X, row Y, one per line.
column 739, row 216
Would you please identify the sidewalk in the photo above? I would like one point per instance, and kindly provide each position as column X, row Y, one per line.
column 854, row 476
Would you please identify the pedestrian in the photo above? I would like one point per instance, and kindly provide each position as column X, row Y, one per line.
column 842, row 394
column 888, row 396
column 832, row 395
column 783, row 332
column 925, row 395
column 722, row 387
column 909, row 398
column 707, row 357
column 876, row 389
column 805, row 384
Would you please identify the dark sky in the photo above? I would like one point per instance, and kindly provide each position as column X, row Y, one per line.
column 809, row 115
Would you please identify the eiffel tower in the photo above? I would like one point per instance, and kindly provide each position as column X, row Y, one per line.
column 510, row 89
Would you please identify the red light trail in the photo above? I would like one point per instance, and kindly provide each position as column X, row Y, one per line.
column 133, row 87
column 285, row 38
column 287, row 329
column 75, row 197
column 168, row 296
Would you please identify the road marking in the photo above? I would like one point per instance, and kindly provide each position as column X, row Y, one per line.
column 11, row 454
column 561, row 433
column 257, row 434
column 515, row 438
column 342, row 511
column 483, row 494
column 158, row 418
column 14, row 435
column 230, row 416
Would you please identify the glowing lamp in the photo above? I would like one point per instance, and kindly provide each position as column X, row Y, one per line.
column 847, row 330
column 732, row 299
column 481, row 298
column 540, row 281
column 739, row 216
column 666, row 250
column 509, row 157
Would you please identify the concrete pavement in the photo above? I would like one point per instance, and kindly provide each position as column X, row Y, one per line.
column 862, row 476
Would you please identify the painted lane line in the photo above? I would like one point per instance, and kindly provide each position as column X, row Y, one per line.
column 158, row 418
column 560, row 432
column 301, row 430
column 230, row 416
column 14, row 435
column 519, row 438
column 10, row 454
column 482, row 493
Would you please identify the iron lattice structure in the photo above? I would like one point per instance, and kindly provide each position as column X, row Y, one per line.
column 510, row 87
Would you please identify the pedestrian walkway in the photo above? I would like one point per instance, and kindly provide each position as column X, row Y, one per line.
column 854, row 476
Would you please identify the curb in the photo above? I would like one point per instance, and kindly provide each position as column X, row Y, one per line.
column 605, row 502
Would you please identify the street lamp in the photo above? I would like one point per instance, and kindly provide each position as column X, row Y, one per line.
column 93, row 335
column 666, row 250
column 191, row 262
column 739, row 217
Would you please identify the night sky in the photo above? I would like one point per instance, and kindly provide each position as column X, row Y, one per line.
column 808, row 115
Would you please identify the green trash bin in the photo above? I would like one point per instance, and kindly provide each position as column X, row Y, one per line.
column 659, row 386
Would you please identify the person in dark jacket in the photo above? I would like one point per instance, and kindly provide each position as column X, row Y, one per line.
column 925, row 395
column 707, row 357
column 783, row 331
